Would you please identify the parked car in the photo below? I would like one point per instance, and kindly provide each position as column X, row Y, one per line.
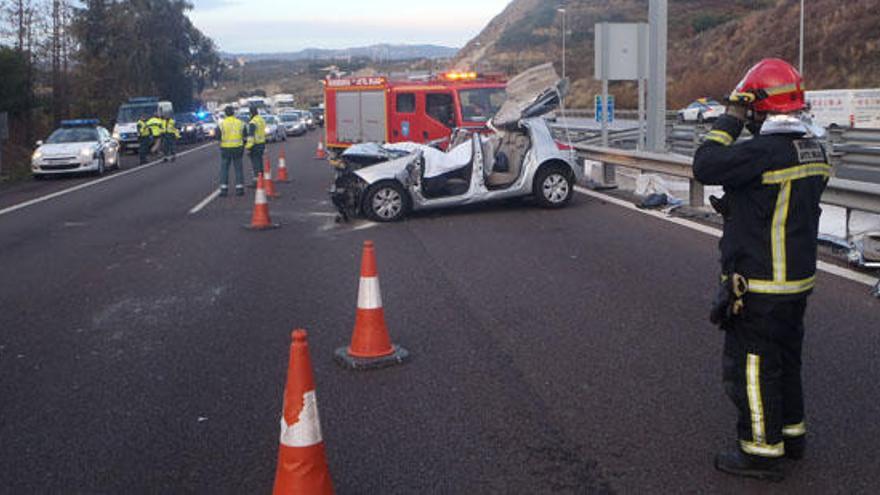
column 189, row 126
column 274, row 131
column 701, row 110
column 209, row 125
column 77, row 146
column 521, row 158
column 318, row 112
column 293, row 123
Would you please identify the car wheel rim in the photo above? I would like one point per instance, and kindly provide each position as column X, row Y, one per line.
column 555, row 188
column 387, row 203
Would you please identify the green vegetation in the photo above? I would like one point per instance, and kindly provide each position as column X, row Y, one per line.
column 705, row 22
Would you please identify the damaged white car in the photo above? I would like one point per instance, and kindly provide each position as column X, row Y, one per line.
column 519, row 158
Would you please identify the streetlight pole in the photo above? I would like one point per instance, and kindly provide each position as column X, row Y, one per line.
column 562, row 10
column 801, row 58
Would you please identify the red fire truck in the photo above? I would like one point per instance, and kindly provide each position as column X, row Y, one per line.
column 376, row 109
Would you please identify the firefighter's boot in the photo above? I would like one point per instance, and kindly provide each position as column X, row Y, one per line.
column 734, row 461
column 795, row 447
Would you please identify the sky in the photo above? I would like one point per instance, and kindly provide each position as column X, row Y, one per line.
column 260, row 26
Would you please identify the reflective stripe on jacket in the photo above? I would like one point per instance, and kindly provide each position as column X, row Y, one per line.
column 773, row 184
column 257, row 134
column 231, row 133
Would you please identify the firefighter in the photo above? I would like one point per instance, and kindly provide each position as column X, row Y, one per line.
column 256, row 141
column 232, row 135
column 144, row 139
column 772, row 185
column 169, row 137
column 156, row 125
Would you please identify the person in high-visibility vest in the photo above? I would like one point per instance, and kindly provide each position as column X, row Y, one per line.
column 256, row 141
column 144, row 139
column 157, row 127
column 232, row 137
column 169, row 137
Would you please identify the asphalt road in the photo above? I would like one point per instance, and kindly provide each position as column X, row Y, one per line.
column 143, row 349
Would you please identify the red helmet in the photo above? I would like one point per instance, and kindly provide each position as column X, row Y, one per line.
column 777, row 86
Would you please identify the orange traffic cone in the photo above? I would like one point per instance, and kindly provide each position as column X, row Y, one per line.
column 260, row 219
column 320, row 154
column 282, row 167
column 371, row 345
column 267, row 177
column 302, row 463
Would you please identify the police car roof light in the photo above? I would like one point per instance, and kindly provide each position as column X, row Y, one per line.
column 143, row 99
column 79, row 123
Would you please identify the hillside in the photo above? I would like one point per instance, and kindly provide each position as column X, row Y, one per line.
column 382, row 52
column 711, row 42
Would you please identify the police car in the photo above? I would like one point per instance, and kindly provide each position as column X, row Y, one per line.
column 77, row 146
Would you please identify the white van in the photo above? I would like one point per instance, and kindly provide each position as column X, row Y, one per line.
column 858, row 108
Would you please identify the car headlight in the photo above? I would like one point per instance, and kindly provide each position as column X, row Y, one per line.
column 87, row 154
column 190, row 128
column 116, row 135
column 37, row 156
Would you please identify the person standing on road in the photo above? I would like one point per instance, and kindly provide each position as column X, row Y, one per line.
column 256, row 141
column 169, row 137
column 773, row 184
column 232, row 135
column 157, row 128
column 144, row 142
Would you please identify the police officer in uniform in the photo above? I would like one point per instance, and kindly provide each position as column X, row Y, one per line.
column 232, row 135
column 256, row 141
column 144, row 141
column 169, row 137
column 156, row 125
column 773, row 184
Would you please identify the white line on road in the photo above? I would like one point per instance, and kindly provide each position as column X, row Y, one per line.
column 95, row 182
column 821, row 265
column 211, row 197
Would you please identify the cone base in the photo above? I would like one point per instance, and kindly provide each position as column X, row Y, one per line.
column 399, row 355
column 265, row 227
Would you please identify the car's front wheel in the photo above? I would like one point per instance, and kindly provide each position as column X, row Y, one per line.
column 386, row 202
column 554, row 186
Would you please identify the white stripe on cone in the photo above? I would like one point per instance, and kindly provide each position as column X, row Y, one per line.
column 268, row 174
column 282, row 163
column 307, row 429
column 260, row 197
column 369, row 296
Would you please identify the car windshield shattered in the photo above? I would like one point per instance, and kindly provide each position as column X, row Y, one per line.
column 75, row 135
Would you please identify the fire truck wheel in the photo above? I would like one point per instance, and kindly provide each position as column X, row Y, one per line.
column 386, row 202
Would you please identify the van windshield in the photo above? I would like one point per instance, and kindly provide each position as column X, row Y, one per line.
column 479, row 105
column 129, row 113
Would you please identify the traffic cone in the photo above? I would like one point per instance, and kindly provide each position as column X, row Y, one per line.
column 282, row 167
column 302, row 462
column 267, row 173
column 371, row 345
column 260, row 219
column 320, row 154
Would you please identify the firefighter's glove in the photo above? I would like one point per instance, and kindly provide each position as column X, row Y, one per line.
column 728, row 303
column 738, row 104
column 720, row 205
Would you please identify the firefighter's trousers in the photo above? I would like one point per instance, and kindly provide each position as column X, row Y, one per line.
column 762, row 373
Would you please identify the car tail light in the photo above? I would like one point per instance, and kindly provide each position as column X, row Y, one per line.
column 563, row 146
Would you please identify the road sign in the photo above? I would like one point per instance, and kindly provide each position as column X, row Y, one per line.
column 609, row 108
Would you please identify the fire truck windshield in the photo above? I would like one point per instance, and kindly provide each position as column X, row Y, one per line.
column 479, row 105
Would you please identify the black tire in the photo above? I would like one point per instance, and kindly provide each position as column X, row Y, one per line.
column 386, row 202
column 553, row 186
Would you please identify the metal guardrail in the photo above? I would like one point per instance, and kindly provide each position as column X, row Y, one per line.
column 849, row 194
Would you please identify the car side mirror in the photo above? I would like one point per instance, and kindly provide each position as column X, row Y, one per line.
column 39, row 143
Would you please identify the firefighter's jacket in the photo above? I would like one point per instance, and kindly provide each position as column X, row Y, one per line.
column 156, row 126
column 170, row 128
column 773, row 184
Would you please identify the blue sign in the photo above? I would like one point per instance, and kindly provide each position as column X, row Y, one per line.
column 609, row 107
column 404, row 128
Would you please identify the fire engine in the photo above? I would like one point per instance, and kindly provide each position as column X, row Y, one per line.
column 377, row 109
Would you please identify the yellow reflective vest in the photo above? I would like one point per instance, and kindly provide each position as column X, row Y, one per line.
column 259, row 133
column 231, row 133
column 156, row 126
column 143, row 130
column 171, row 128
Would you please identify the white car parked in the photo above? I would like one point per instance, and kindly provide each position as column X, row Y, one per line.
column 701, row 110
column 77, row 146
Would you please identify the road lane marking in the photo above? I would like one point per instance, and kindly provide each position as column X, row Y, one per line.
column 95, row 182
column 826, row 267
column 211, row 197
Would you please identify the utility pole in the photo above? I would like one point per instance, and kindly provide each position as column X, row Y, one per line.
column 801, row 57
column 657, row 18
column 562, row 10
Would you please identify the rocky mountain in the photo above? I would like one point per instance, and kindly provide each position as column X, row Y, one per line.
column 711, row 42
column 383, row 53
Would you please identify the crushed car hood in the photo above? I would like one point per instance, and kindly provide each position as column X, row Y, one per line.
column 530, row 94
